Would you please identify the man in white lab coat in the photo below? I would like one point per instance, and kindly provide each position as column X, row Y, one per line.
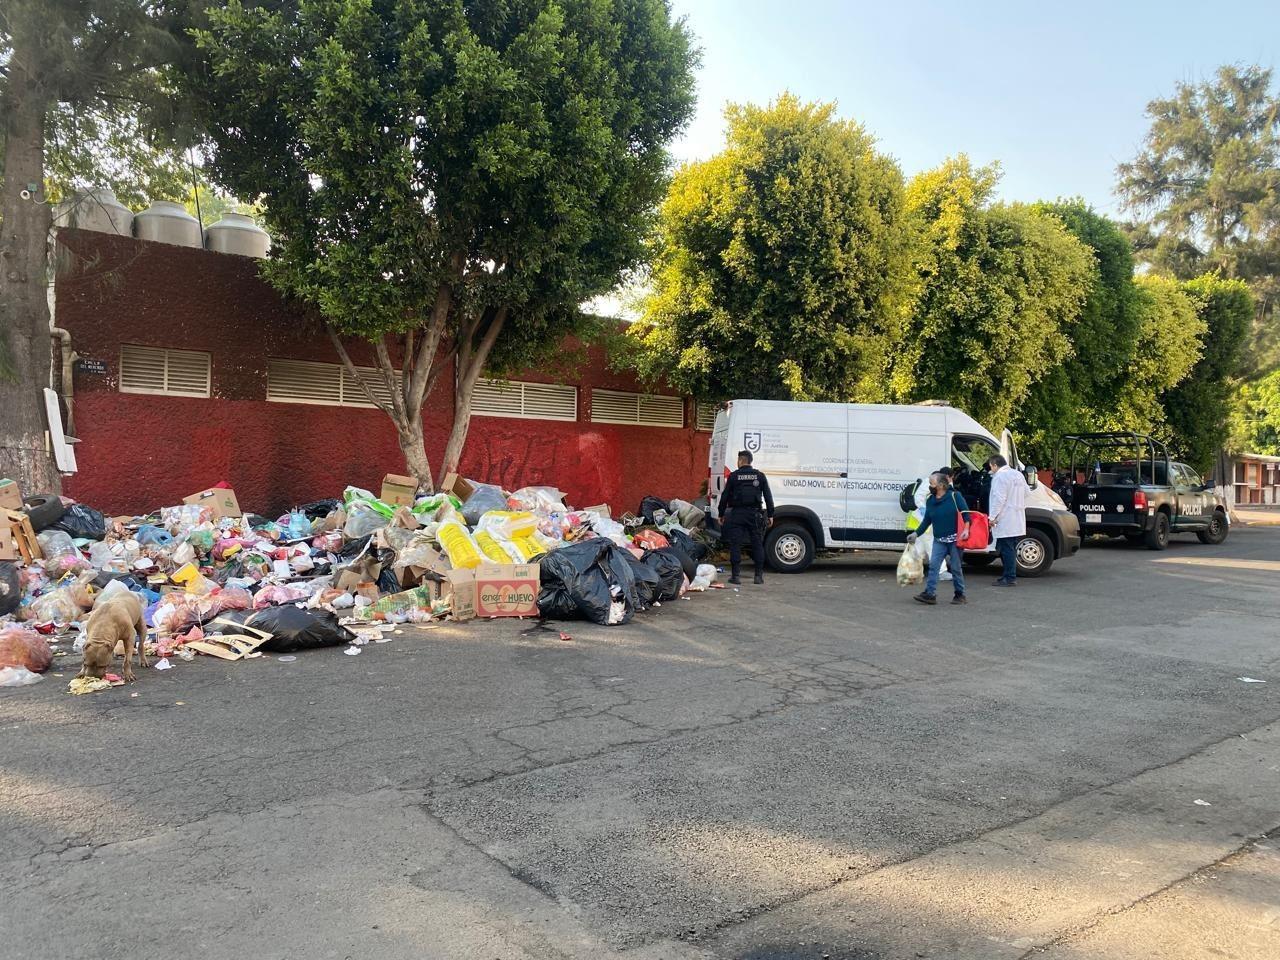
column 1008, row 512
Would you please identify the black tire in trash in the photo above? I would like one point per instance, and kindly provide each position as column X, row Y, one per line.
column 43, row 510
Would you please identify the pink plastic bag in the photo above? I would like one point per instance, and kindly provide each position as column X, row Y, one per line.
column 20, row 647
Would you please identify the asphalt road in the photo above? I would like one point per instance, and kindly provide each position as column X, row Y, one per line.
column 815, row 768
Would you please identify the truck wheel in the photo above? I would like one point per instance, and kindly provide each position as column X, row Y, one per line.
column 788, row 548
column 1217, row 530
column 43, row 510
column 1157, row 538
column 1034, row 553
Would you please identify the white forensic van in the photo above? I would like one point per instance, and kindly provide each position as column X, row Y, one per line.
column 837, row 472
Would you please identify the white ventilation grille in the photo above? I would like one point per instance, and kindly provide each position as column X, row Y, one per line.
column 705, row 418
column 643, row 409
column 329, row 384
column 156, row 370
column 526, row 401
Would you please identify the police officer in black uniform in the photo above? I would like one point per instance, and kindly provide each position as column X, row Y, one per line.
column 741, row 515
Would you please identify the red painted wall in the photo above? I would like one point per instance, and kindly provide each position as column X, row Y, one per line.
column 139, row 452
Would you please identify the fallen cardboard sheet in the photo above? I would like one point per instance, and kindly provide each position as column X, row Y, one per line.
column 230, row 646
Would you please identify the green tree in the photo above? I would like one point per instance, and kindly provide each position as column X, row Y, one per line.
column 1169, row 342
column 77, row 79
column 782, row 263
column 999, row 285
column 1255, row 417
column 1103, row 335
column 1206, row 186
column 447, row 179
column 1199, row 406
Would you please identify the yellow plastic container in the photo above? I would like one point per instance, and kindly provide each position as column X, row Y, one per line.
column 491, row 548
column 458, row 544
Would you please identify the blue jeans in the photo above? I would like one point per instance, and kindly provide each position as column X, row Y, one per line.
column 1008, row 558
column 950, row 553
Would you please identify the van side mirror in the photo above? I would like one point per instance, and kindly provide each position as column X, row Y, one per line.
column 1032, row 475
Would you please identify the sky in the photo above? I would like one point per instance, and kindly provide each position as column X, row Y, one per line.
column 1055, row 92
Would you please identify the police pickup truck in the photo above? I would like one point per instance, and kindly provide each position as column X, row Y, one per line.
column 1125, row 484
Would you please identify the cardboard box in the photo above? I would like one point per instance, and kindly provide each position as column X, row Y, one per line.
column 404, row 517
column 507, row 590
column 398, row 490
column 433, row 562
column 460, row 587
column 221, row 500
column 10, row 495
column 458, row 486
column 600, row 510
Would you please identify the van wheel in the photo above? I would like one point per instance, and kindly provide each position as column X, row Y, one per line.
column 1034, row 553
column 789, row 548
column 1217, row 530
column 1157, row 537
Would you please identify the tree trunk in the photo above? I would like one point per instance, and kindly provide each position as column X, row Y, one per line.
column 25, row 348
column 461, row 424
column 471, row 359
column 415, row 450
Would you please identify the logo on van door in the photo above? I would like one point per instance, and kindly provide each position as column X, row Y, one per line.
column 751, row 442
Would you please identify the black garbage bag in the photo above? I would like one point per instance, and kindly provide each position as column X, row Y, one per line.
column 319, row 509
column 294, row 628
column 10, row 588
column 696, row 552
column 104, row 577
column 232, row 568
column 648, row 583
column 668, row 568
column 388, row 581
column 81, row 521
column 353, row 548
column 485, row 498
column 649, row 504
column 585, row 579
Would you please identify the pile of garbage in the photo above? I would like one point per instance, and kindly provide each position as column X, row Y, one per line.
column 215, row 580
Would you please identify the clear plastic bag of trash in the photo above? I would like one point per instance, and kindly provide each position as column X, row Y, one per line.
column 910, row 567
column 706, row 576
column 56, row 543
column 18, row 677
column 538, row 500
column 60, row 605
column 363, row 519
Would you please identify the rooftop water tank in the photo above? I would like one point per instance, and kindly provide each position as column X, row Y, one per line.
column 168, row 222
column 94, row 210
column 237, row 233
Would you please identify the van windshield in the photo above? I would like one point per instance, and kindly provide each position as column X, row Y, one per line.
column 972, row 453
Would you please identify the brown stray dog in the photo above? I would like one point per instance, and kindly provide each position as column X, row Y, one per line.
column 114, row 620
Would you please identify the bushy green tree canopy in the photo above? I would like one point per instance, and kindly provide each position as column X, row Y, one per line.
column 999, row 285
column 1199, row 406
column 1168, row 344
column 1255, row 417
column 448, row 172
column 1206, row 188
column 782, row 267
